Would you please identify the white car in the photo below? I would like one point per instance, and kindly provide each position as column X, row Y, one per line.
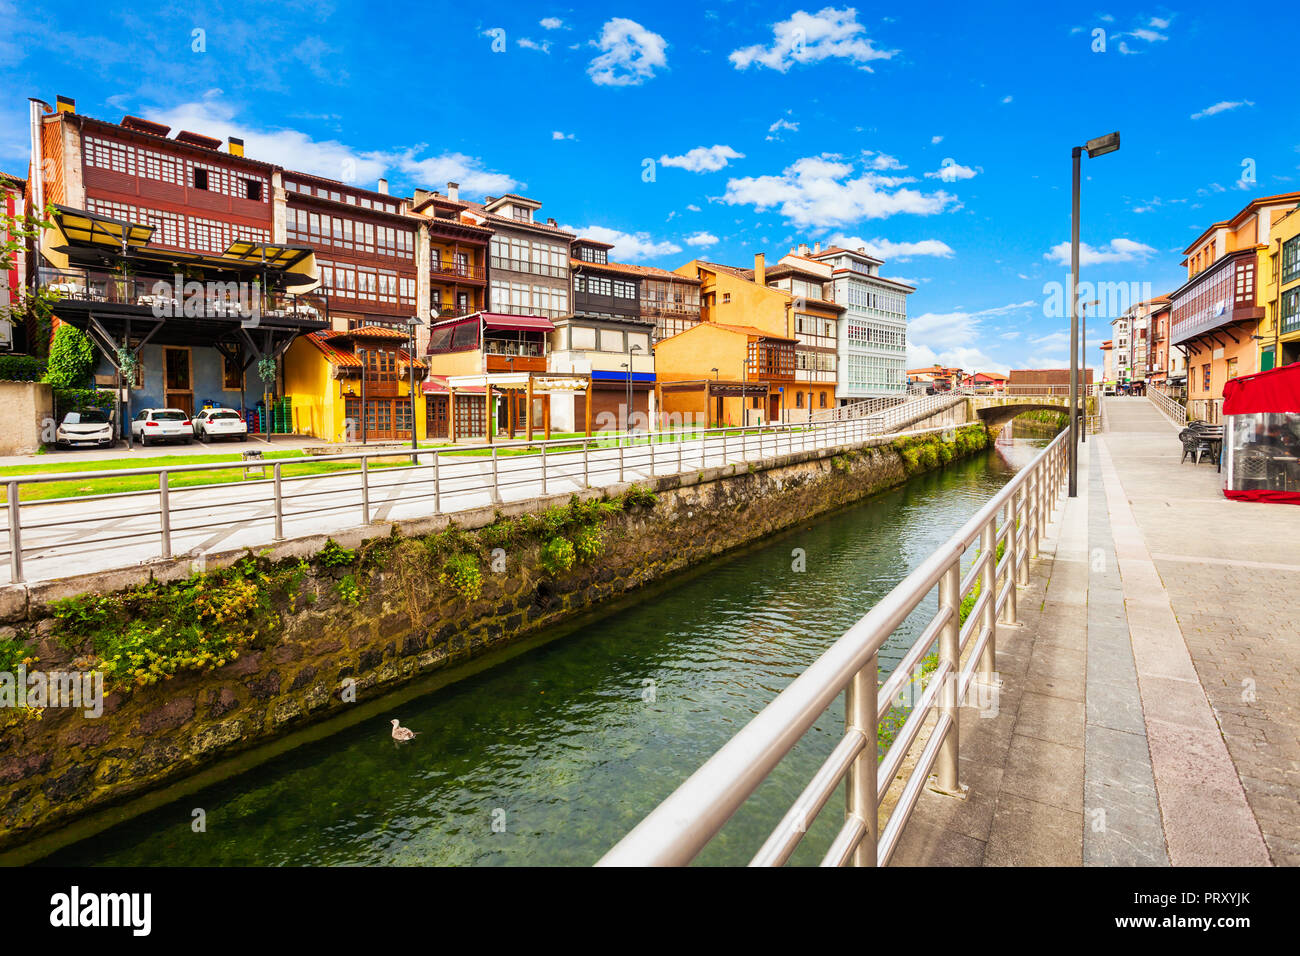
column 88, row 427
column 220, row 423
column 153, row 425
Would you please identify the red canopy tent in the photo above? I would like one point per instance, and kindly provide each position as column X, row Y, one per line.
column 1274, row 392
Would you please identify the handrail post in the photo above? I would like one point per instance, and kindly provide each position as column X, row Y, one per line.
column 543, row 468
column 365, row 490
column 620, row 462
column 945, row 766
column 1035, row 511
column 15, row 535
column 989, row 585
column 279, row 503
column 437, row 491
column 496, row 478
column 681, row 443
column 724, row 448
column 1019, row 568
column 861, row 798
column 165, row 513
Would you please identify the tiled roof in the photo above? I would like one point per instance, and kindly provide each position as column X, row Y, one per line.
column 748, row 330
column 645, row 271
column 479, row 209
column 337, row 346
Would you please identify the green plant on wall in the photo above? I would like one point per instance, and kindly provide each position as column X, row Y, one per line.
column 266, row 369
column 348, row 589
column 72, row 359
column 461, row 573
column 557, row 556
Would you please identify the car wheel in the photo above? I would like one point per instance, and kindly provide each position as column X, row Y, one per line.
column 188, row 441
column 243, row 437
column 144, row 442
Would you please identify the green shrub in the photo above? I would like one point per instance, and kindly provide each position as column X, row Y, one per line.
column 588, row 543
column 333, row 556
column 14, row 653
column 21, row 368
column 461, row 573
column 557, row 556
column 72, row 359
column 349, row 590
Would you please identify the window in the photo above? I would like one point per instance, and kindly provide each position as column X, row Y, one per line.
column 823, row 399
column 726, row 297
column 1205, row 371
column 232, row 374
column 200, row 178
column 252, row 190
column 1232, row 368
column 1291, row 259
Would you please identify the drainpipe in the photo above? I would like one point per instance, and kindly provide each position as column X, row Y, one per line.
column 37, row 109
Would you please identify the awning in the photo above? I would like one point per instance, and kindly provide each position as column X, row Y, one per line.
column 1276, row 391
column 76, row 227
column 518, row 323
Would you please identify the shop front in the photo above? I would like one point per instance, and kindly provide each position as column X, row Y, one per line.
column 1261, row 418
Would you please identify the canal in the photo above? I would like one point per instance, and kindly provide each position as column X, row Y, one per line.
column 550, row 756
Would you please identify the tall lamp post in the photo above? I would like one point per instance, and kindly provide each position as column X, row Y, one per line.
column 1094, row 148
column 1083, row 345
column 411, row 324
column 628, row 429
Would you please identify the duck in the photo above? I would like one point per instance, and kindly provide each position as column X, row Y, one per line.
column 400, row 733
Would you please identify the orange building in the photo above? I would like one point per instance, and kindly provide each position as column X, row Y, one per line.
column 724, row 374
column 1216, row 313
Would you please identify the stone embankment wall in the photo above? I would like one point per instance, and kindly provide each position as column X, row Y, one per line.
column 199, row 667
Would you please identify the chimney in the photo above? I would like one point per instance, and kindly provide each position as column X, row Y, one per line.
column 803, row 248
column 66, row 104
column 383, row 186
column 453, row 192
column 420, row 195
column 553, row 223
column 817, row 247
column 760, row 268
column 235, row 146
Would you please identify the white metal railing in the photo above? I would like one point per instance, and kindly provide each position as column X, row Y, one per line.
column 101, row 529
column 1174, row 410
column 859, row 408
column 680, row 827
column 889, row 418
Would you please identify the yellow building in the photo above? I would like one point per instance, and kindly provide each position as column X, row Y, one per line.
column 326, row 373
column 721, row 374
column 1279, row 293
column 746, row 298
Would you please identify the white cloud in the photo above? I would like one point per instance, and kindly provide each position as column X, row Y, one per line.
column 774, row 131
column 702, row 159
column 1221, row 107
column 556, row 134
column 1150, row 36
column 702, row 239
column 820, row 191
column 627, row 245
column 1117, row 250
column 692, row 207
column 936, row 140
column 530, row 44
column 951, row 171
column 882, row 161
column 811, row 38
column 1159, row 24
column 550, row 23
column 963, row 357
column 630, row 54
column 892, row 251
column 1006, row 99
column 330, row 158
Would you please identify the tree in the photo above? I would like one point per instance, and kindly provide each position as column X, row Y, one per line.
column 72, row 359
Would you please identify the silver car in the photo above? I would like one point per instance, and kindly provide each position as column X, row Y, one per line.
column 220, row 423
column 153, row 425
column 89, row 427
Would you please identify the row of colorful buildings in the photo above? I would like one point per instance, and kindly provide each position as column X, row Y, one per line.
column 1237, row 313
column 457, row 317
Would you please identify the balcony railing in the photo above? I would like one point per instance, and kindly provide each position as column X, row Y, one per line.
column 458, row 270
column 211, row 298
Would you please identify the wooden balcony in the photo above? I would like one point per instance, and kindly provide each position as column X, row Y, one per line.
column 520, row 363
column 452, row 271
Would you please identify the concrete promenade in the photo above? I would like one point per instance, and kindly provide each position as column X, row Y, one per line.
column 1150, row 713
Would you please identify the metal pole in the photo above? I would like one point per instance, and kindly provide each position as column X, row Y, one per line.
column 586, row 463
column 861, row 798
column 1083, row 366
column 437, row 491
column 543, row 468
column 164, row 514
column 365, row 487
column 1074, row 325
column 496, row 478
column 410, row 361
column 279, row 504
column 15, row 535
column 945, row 767
column 989, row 585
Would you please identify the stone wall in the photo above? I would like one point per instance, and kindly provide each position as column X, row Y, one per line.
column 398, row 624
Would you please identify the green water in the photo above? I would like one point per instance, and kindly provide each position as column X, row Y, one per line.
column 551, row 756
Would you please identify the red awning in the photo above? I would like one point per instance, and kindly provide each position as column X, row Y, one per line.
column 1277, row 390
column 531, row 323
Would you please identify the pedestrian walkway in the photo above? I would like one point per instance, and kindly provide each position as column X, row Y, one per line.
column 1150, row 713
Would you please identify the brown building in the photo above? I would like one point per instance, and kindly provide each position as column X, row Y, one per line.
column 1046, row 376
column 458, row 254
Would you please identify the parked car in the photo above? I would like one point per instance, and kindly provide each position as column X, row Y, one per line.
column 153, row 425
column 212, row 423
column 89, row 427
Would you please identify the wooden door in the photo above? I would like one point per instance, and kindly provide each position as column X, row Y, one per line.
column 178, row 380
column 436, row 415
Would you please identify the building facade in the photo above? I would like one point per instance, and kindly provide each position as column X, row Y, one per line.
column 528, row 258
column 1279, row 293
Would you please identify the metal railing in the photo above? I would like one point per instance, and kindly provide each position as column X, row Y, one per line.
column 895, row 415
column 1172, row 409
column 170, row 518
column 859, row 408
column 680, row 827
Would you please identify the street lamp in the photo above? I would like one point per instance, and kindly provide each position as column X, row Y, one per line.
column 411, row 324
column 1094, row 148
column 1083, row 344
column 628, row 429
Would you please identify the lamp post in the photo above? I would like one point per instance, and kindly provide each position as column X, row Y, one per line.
column 1094, row 148
column 1083, row 344
column 628, row 429
column 742, row 399
column 411, row 324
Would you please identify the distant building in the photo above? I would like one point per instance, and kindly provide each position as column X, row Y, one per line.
column 1046, row 376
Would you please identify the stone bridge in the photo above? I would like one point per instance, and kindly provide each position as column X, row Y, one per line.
column 996, row 410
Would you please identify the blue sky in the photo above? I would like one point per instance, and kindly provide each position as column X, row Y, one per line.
column 940, row 139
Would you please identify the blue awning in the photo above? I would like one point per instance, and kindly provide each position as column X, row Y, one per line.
column 604, row 376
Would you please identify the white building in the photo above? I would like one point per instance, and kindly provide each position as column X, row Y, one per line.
column 871, row 334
